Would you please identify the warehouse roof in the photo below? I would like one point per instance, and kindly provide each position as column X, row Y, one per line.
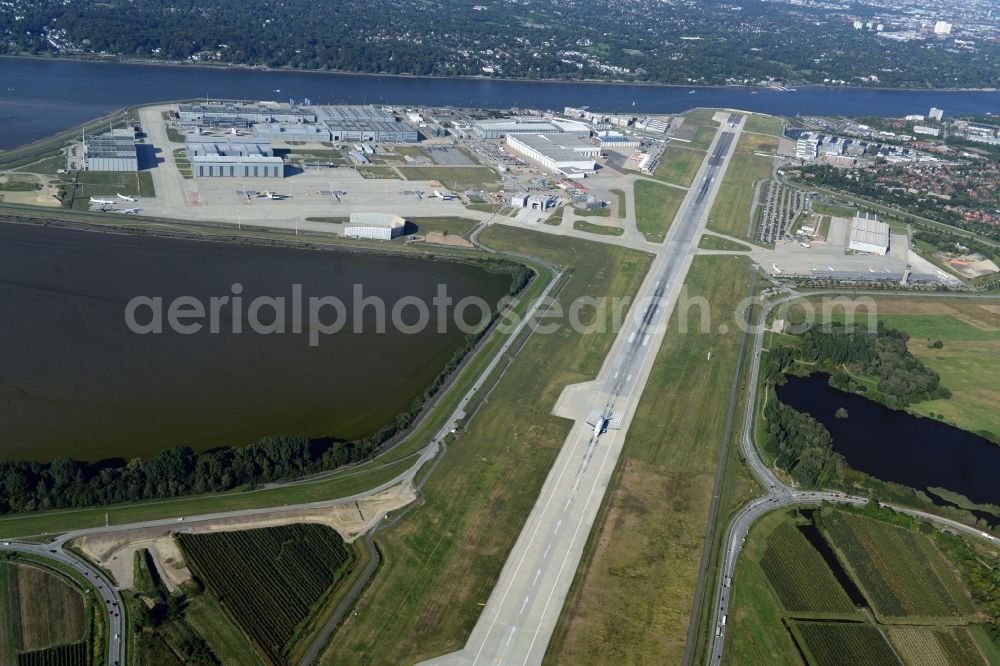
column 869, row 230
column 377, row 220
column 559, row 147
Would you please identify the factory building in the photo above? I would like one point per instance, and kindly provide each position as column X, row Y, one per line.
column 498, row 129
column 562, row 153
column 869, row 235
column 113, row 151
column 233, row 158
column 807, row 148
column 365, row 123
column 617, row 140
column 252, row 113
column 291, row 132
column 377, row 226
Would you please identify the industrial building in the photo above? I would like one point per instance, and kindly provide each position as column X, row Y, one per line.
column 251, row 113
column 291, row 132
column 869, row 235
column 617, row 140
column 562, row 153
column 498, row 129
column 233, row 158
column 533, row 201
column 364, row 123
column 377, row 226
column 113, row 151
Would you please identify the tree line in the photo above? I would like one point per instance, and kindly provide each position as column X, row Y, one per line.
column 67, row 483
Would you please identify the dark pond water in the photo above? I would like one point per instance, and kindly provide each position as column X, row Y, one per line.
column 41, row 97
column 896, row 446
column 75, row 380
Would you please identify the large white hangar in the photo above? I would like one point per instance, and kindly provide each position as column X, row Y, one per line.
column 563, row 153
column 377, row 226
column 233, row 158
column 869, row 235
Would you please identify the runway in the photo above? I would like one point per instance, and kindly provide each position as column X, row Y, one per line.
column 521, row 614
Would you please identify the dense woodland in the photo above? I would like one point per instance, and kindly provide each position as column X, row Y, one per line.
column 801, row 444
column 67, row 483
column 707, row 42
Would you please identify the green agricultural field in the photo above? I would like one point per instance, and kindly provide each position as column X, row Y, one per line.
column 763, row 124
column 601, row 229
column 74, row 654
column 902, row 572
column 821, row 208
column 655, row 208
column 42, row 617
column 456, row 179
column 622, row 205
column 270, row 579
column 933, row 646
column 679, row 164
column 632, row 596
column 799, row 576
column 731, row 211
column 442, row 559
column 710, row 242
column 840, row 643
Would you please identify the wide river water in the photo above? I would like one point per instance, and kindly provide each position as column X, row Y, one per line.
column 41, row 97
column 75, row 380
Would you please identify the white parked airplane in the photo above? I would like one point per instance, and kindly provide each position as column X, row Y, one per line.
column 443, row 197
column 267, row 194
column 125, row 197
column 777, row 270
column 101, row 202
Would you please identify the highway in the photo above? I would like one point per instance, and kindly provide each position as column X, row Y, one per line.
column 778, row 495
column 109, row 594
column 521, row 612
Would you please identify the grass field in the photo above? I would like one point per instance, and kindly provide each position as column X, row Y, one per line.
column 821, row 208
column 580, row 225
column 702, row 119
column 632, row 596
column 597, row 212
column 270, row 579
column 840, row 643
column 377, row 172
column 105, row 184
column 204, row 614
column 763, row 124
column 710, row 242
column 622, row 206
column 456, row 179
column 655, row 208
column 902, row 572
column 968, row 362
column 679, row 164
column 731, row 210
column 799, row 576
column 442, row 559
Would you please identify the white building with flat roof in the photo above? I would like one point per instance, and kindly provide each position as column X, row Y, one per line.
column 376, row 226
column 562, row 153
column 869, row 235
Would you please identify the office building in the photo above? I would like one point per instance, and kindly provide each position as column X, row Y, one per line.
column 936, row 114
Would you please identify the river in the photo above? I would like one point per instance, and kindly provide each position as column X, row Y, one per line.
column 76, row 380
column 40, row 97
column 897, row 446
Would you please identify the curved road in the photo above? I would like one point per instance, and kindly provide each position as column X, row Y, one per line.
column 109, row 594
column 779, row 495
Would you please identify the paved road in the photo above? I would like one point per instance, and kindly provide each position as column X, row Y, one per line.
column 111, row 598
column 779, row 495
column 522, row 611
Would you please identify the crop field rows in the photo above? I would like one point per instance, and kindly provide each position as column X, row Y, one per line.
column 269, row 579
column 74, row 654
column 840, row 643
column 930, row 646
column 798, row 574
column 901, row 572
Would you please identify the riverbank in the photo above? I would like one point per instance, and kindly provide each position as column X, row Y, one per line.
column 124, row 60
